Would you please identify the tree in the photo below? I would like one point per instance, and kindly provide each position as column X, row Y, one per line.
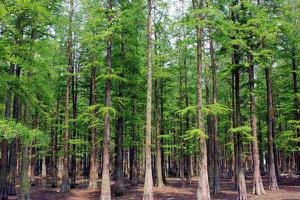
column 105, row 188
column 203, row 192
column 148, row 184
column 65, row 180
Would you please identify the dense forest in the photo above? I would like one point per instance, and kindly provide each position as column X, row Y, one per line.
column 149, row 99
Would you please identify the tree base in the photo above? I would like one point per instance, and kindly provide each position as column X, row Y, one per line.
column 92, row 185
column 106, row 197
column 160, row 184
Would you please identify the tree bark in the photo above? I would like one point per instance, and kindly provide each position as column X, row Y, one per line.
column 203, row 190
column 214, row 124
column 148, row 185
column 13, row 144
column 159, row 180
column 273, row 185
column 119, row 189
column 24, row 181
column 258, row 187
column 296, row 99
column 242, row 190
column 133, row 148
column 93, row 173
column 4, row 145
column 65, row 176
column 74, row 133
column 105, row 187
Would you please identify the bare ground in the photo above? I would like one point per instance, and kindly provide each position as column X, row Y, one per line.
column 289, row 190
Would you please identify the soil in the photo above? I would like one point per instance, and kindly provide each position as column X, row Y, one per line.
column 289, row 189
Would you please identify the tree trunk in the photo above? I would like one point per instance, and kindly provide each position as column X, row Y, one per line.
column 163, row 167
column 159, row 182
column 203, row 191
column 296, row 100
column 54, row 157
column 133, row 148
column 119, row 186
column 24, row 181
column 105, row 187
column 93, row 173
column 258, row 187
column 13, row 144
column 214, row 124
column 74, row 107
column 148, row 185
column 65, row 176
column 4, row 145
column 273, row 185
column 242, row 190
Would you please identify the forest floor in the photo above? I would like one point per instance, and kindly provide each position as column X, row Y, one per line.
column 289, row 190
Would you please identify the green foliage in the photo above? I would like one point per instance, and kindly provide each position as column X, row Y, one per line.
column 10, row 130
column 245, row 131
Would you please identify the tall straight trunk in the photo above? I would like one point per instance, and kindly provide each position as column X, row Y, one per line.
column 258, row 187
column 242, row 190
column 119, row 186
column 162, row 129
column 148, row 185
column 133, row 148
column 273, row 185
column 119, row 166
column 93, row 173
column 261, row 147
column 159, row 180
column 233, row 138
column 210, row 145
column 4, row 145
column 74, row 107
column 181, row 141
column 13, row 144
column 3, row 170
column 24, row 180
column 54, row 157
column 296, row 100
column 105, row 187
column 65, row 186
column 189, row 159
column 214, row 123
column 203, row 190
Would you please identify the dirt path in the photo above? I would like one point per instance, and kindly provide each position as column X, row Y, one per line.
column 289, row 190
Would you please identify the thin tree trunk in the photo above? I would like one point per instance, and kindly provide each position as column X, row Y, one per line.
column 93, row 173
column 296, row 100
column 258, row 187
column 119, row 174
column 24, row 181
column 273, row 185
column 4, row 146
column 133, row 148
column 163, row 167
column 148, row 185
column 242, row 190
column 214, row 124
column 65, row 186
column 203, row 191
column 53, row 181
column 159, row 182
column 13, row 144
column 74, row 107
column 119, row 186
column 105, row 187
